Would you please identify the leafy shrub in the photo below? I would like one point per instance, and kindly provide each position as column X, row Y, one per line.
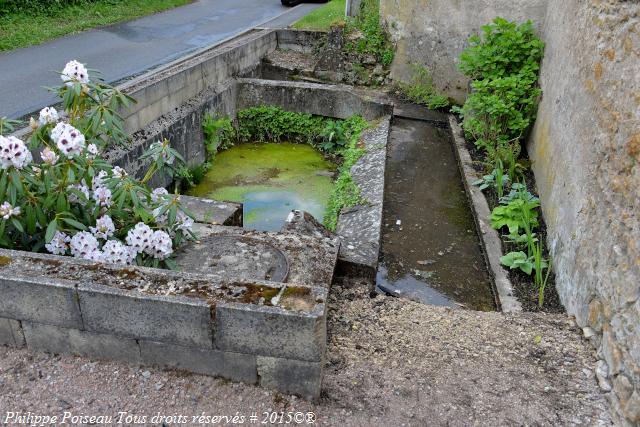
column 504, row 49
column 511, row 215
column 421, row 90
column 71, row 200
column 503, row 63
column 273, row 124
column 346, row 192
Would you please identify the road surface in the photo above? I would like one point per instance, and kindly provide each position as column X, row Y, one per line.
column 129, row 48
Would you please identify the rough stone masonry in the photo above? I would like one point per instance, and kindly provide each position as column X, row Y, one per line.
column 585, row 148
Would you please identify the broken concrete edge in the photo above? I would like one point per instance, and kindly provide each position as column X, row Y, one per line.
column 489, row 237
column 208, row 211
column 304, row 41
column 360, row 227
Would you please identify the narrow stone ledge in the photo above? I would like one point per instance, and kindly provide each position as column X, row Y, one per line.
column 291, row 376
column 233, row 366
column 360, row 227
column 176, row 319
column 54, row 339
column 208, row 211
column 40, row 299
column 489, row 237
column 272, row 331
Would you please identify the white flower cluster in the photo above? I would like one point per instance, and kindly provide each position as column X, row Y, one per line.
column 7, row 211
column 13, row 152
column 118, row 172
column 59, row 244
column 48, row 115
column 86, row 244
column 104, row 227
column 75, row 72
column 157, row 243
column 49, row 156
column 69, row 140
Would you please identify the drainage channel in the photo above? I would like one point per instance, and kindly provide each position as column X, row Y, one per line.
column 430, row 250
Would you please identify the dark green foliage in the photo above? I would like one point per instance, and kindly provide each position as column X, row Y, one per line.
column 273, row 124
column 504, row 49
column 503, row 64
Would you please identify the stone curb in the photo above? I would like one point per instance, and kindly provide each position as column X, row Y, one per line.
column 489, row 237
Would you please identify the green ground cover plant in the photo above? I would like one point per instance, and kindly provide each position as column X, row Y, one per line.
column 375, row 40
column 28, row 22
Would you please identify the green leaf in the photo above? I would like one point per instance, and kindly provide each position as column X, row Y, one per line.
column 17, row 225
column 72, row 222
column 51, row 230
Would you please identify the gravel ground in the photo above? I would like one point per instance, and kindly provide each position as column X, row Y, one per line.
column 390, row 362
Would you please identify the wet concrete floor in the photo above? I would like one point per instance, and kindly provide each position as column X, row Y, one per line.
column 430, row 250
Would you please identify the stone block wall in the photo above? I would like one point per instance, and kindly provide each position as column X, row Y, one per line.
column 239, row 338
column 585, row 148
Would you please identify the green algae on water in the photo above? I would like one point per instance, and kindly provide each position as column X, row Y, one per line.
column 270, row 180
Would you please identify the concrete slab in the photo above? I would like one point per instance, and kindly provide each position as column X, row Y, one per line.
column 311, row 259
column 175, row 320
column 271, row 331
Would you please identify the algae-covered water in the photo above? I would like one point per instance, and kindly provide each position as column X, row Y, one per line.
column 270, row 180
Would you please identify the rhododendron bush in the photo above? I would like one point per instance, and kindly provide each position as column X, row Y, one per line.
column 69, row 201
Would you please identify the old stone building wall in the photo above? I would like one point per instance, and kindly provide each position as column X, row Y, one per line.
column 585, row 149
column 434, row 33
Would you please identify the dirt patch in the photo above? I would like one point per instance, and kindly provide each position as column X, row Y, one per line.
column 389, row 362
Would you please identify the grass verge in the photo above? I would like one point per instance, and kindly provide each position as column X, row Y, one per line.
column 323, row 17
column 26, row 29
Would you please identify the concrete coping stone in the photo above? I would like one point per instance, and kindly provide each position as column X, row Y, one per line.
column 489, row 237
column 72, row 274
column 359, row 227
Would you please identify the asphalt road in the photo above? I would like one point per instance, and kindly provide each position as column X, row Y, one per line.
column 129, row 48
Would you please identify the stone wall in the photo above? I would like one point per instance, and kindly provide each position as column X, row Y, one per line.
column 433, row 33
column 585, row 148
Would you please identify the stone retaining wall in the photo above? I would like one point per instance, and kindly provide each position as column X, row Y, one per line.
column 240, row 337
